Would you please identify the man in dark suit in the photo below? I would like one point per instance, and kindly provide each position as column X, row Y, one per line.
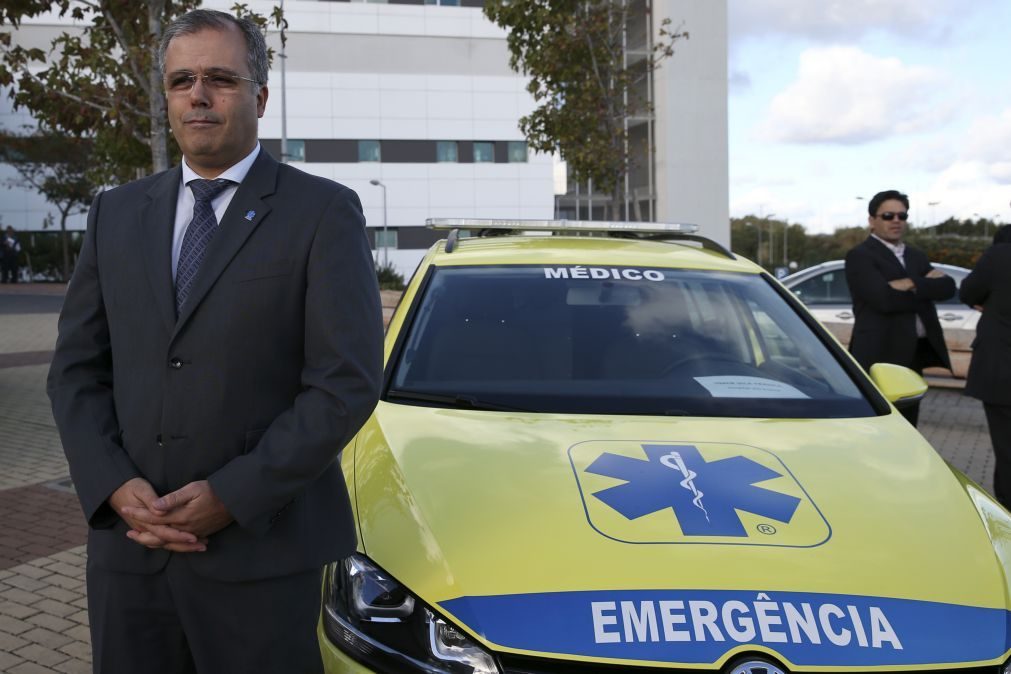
column 988, row 288
column 220, row 343
column 894, row 287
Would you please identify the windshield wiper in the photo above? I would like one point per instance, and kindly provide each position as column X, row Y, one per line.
column 456, row 400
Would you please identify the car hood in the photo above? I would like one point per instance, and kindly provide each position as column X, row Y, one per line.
column 644, row 539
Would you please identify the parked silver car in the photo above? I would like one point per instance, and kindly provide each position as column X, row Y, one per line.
column 824, row 290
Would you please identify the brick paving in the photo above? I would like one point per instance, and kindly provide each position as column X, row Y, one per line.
column 43, row 609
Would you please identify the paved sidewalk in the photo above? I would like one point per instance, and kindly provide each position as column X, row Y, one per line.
column 43, row 616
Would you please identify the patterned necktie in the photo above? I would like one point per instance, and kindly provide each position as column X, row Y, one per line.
column 198, row 235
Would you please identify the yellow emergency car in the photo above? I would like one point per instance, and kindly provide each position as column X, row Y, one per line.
column 633, row 452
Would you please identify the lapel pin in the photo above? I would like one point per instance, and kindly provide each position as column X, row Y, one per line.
column 250, row 215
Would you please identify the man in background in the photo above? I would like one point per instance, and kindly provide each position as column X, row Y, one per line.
column 10, row 249
column 894, row 287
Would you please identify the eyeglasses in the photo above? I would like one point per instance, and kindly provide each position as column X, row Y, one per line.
column 889, row 216
column 182, row 81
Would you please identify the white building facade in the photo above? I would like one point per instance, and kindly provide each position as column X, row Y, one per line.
column 420, row 98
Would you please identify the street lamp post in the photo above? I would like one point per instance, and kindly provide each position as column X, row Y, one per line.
column 933, row 222
column 386, row 258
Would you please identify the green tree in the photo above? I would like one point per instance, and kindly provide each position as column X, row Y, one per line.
column 101, row 82
column 58, row 167
column 585, row 87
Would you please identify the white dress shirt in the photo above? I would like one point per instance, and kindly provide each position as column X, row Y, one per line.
column 185, row 200
column 900, row 249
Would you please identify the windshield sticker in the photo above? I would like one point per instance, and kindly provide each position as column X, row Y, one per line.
column 580, row 272
column 699, row 493
column 702, row 626
column 733, row 386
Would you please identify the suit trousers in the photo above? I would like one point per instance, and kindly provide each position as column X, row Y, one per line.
column 176, row 622
column 998, row 418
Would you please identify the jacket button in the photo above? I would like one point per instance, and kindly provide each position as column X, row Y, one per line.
column 175, row 364
column 159, row 441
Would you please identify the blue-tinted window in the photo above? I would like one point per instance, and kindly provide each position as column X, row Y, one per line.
column 387, row 239
column 484, row 152
column 446, row 150
column 517, row 151
column 296, row 150
column 368, row 150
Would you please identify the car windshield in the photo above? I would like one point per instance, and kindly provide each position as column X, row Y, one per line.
column 621, row 340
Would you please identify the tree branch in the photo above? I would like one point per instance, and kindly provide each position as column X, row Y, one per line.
column 140, row 80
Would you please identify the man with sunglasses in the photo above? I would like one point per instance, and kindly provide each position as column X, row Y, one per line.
column 894, row 287
column 220, row 342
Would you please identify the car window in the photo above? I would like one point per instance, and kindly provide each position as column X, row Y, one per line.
column 620, row 340
column 828, row 287
column 958, row 275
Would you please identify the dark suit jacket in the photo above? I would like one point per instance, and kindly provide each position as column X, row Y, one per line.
column 884, row 329
column 989, row 286
column 271, row 368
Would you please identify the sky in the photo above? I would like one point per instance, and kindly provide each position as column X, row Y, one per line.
column 831, row 101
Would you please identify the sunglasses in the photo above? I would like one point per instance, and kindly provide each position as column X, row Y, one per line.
column 889, row 216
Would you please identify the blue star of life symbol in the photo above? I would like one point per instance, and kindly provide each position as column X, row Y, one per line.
column 703, row 495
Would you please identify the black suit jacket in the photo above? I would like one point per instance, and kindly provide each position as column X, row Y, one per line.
column 989, row 286
column 884, row 329
column 272, row 366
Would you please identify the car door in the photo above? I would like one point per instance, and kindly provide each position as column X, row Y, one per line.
column 958, row 322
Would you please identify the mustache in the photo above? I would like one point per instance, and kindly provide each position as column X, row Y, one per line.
column 200, row 117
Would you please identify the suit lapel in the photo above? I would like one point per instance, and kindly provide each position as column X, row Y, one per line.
column 157, row 218
column 884, row 252
column 246, row 210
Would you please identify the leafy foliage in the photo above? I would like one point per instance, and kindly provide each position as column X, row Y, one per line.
column 941, row 244
column 102, row 81
column 56, row 165
column 574, row 53
column 389, row 277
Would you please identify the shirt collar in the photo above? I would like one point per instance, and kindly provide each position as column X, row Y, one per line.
column 236, row 173
column 897, row 248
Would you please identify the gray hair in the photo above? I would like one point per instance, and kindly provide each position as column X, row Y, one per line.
column 203, row 19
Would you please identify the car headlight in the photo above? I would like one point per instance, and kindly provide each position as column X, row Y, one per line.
column 374, row 619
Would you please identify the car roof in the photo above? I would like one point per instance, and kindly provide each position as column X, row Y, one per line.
column 584, row 250
column 833, row 265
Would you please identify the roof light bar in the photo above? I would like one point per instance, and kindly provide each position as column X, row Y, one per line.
column 561, row 225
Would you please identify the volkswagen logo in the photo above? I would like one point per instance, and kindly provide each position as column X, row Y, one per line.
column 756, row 667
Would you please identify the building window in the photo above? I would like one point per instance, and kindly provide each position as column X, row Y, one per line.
column 368, row 150
column 444, row 3
column 446, row 150
column 484, row 152
column 517, row 152
column 296, row 150
column 387, row 239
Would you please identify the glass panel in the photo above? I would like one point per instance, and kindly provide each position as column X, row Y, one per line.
column 484, row 152
column 387, row 239
column 958, row 275
column 619, row 340
column 827, row 288
column 296, row 150
column 368, row 150
column 446, row 150
column 517, row 151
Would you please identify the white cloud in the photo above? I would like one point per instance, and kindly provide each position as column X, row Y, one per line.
column 845, row 19
column 989, row 138
column 846, row 96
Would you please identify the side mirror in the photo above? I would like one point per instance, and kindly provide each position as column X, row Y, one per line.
column 900, row 385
